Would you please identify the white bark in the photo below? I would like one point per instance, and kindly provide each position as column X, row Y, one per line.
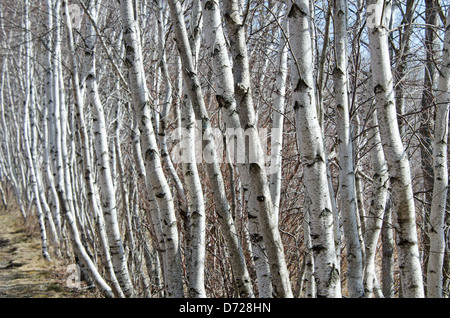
column 396, row 156
column 154, row 209
column 310, row 288
column 107, row 189
column 30, row 141
column 107, row 195
column 312, row 152
column 47, row 214
column 374, row 219
column 78, row 245
column 57, row 155
column 150, row 150
column 164, row 115
column 387, row 243
column 8, row 140
column 196, row 214
column 196, row 206
column 47, row 164
column 260, row 197
column 213, row 169
column 440, row 188
column 346, row 172
column 92, row 191
column 216, row 44
column 55, row 126
column 278, row 120
column 31, row 158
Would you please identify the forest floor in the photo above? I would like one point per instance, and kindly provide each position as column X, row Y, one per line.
column 23, row 271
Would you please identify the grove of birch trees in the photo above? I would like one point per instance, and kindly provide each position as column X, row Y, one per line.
column 206, row 148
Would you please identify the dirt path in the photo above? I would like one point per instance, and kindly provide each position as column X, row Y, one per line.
column 23, row 271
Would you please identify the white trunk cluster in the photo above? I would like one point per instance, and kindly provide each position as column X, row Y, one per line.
column 396, row 156
column 260, row 197
column 216, row 44
column 375, row 216
column 440, row 188
column 347, row 173
column 161, row 155
column 150, row 151
column 30, row 135
column 312, row 152
column 107, row 190
column 212, row 166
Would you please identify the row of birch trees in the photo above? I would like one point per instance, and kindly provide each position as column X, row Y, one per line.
column 206, row 148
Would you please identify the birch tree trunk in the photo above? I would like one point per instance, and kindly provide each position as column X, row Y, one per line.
column 47, row 214
column 374, row 220
column 107, row 192
column 209, row 150
column 57, row 155
column 31, row 158
column 196, row 205
column 107, row 189
column 30, row 141
column 387, row 245
column 278, row 120
column 396, row 156
column 197, row 213
column 154, row 271
column 86, row 161
column 78, row 245
column 312, row 151
column 150, row 150
column 310, row 288
column 347, row 172
column 54, row 125
column 8, row 140
column 48, row 164
column 215, row 42
column 440, row 187
column 260, row 196
column 61, row 128
column 163, row 120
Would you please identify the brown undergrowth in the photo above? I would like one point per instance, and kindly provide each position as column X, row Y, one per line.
column 23, row 271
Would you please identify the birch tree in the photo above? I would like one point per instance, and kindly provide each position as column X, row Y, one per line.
column 213, row 169
column 139, row 153
column 107, row 189
column 312, row 153
column 397, row 160
column 163, row 120
column 375, row 216
column 259, row 192
column 440, row 187
column 197, row 217
column 278, row 119
column 48, row 164
column 150, row 150
column 215, row 42
column 30, row 145
column 346, row 174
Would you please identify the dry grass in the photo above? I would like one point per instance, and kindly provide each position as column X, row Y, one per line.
column 23, row 271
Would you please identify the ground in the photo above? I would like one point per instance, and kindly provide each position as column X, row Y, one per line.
column 23, row 271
